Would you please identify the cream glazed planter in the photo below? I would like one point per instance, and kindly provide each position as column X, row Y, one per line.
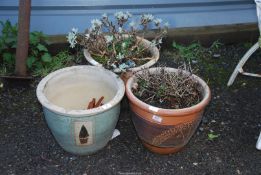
column 65, row 94
column 152, row 49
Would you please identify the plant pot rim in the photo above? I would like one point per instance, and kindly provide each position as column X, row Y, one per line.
column 169, row 112
column 153, row 49
column 79, row 113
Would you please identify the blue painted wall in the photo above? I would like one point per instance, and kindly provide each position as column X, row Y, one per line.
column 59, row 16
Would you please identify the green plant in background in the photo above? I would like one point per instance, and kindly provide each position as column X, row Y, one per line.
column 207, row 61
column 38, row 52
column 39, row 61
column 8, row 40
column 215, row 46
column 190, row 52
column 62, row 59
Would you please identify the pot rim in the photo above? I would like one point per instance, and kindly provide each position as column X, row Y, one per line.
column 155, row 58
column 169, row 112
column 79, row 113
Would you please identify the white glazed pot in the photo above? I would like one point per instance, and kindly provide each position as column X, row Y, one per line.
column 65, row 94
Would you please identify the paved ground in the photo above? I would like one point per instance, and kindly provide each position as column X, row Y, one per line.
column 28, row 147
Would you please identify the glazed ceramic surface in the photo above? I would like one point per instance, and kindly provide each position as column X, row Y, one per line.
column 65, row 94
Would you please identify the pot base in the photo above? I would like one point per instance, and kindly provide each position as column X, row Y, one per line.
column 162, row 150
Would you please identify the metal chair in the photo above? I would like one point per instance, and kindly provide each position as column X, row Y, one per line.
column 239, row 67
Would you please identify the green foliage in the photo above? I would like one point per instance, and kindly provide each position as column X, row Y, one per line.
column 9, row 35
column 212, row 136
column 8, row 39
column 62, row 59
column 161, row 91
column 41, row 47
column 30, row 61
column 124, row 47
column 247, row 45
column 36, row 37
column 38, row 52
column 204, row 61
column 8, row 58
column 188, row 52
column 46, row 58
column 100, row 59
column 216, row 45
column 39, row 60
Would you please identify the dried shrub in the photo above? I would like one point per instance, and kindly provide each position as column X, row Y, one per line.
column 167, row 90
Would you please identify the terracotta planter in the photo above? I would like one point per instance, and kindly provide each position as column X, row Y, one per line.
column 125, row 75
column 166, row 131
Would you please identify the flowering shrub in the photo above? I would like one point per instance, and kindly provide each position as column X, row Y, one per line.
column 116, row 45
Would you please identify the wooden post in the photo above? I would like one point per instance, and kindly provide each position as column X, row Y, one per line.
column 23, row 37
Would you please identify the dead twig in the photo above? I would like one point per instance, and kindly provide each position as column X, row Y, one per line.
column 92, row 104
column 177, row 90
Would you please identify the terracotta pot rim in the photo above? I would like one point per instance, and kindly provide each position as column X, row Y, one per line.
column 169, row 112
column 153, row 49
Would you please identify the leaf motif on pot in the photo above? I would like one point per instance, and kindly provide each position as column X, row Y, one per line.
column 83, row 135
column 178, row 133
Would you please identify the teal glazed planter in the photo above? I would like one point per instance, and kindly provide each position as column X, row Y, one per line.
column 65, row 94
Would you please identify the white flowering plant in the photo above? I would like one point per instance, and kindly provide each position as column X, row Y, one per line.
column 116, row 45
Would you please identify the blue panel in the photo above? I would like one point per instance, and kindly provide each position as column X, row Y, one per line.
column 118, row 2
column 54, row 17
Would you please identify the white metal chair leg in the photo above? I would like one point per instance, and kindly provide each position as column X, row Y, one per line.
column 241, row 63
column 258, row 143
